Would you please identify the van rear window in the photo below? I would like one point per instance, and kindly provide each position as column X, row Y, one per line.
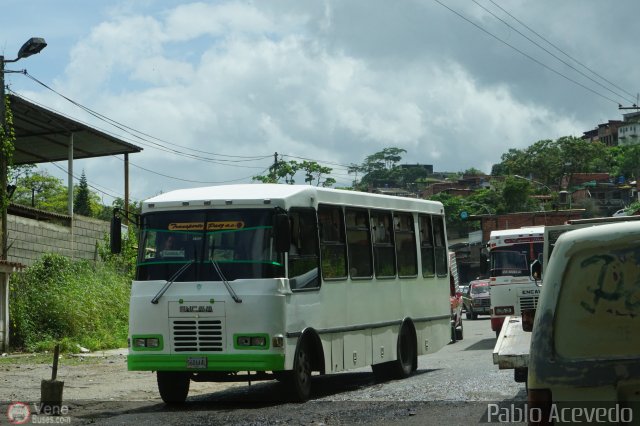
column 598, row 307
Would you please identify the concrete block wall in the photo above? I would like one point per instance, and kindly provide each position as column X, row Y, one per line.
column 30, row 238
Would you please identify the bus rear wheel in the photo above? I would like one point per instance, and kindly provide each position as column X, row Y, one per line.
column 173, row 386
column 407, row 354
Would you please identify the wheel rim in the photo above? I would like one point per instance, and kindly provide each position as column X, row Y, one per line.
column 303, row 369
column 405, row 348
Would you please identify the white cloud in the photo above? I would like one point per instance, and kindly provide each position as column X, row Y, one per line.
column 327, row 81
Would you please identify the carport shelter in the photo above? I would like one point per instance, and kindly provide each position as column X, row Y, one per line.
column 44, row 136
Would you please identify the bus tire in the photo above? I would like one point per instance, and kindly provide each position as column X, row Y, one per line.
column 406, row 362
column 173, row 386
column 300, row 377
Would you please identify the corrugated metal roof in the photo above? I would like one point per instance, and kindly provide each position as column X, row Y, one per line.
column 43, row 136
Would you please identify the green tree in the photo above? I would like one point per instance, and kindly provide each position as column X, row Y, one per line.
column 81, row 201
column 42, row 191
column 314, row 172
column 287, row 170
column 515, row 194
column 381, row 166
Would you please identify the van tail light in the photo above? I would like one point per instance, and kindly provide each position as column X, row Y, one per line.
column 539, row 405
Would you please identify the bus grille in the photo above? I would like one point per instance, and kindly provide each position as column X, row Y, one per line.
column 529, row 302
column 197, row 335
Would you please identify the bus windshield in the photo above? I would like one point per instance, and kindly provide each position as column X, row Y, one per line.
column 239, row 242
column 514, row 260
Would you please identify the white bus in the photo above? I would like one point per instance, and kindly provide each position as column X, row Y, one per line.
column 282, row 281
column 512, row 289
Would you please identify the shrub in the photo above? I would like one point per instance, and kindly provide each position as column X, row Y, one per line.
column 71, row 302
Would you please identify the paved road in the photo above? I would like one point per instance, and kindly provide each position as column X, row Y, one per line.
column 453, row 386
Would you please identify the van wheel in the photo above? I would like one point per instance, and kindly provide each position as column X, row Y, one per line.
column 173, row 386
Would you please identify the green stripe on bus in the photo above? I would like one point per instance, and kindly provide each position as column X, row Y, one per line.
column 216, row 362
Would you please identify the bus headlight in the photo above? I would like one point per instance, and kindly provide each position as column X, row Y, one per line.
column 252, row 341
column 146, row 342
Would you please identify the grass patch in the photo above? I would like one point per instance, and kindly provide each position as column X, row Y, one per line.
column 72, row 303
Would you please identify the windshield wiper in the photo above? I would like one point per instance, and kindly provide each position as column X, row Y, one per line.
column 171, row 280
column 233, row 294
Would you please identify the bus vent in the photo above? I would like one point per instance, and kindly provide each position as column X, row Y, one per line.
column 528, row 302
column 198, row 335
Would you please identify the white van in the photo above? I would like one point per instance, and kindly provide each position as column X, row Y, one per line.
column 585, row 344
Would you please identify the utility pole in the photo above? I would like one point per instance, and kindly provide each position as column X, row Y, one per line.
column 31, row 47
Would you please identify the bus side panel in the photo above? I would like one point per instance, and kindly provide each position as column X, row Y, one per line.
column 355, row 349
column 337, row 352
column 433, row 335
column 384, row 344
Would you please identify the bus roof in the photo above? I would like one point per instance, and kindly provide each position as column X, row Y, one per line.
column 284, row 196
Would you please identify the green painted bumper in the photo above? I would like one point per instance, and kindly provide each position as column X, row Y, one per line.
column 215, row 362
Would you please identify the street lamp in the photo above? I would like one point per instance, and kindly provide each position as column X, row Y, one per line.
column 31, row 47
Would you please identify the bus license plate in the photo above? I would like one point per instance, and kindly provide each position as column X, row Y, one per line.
column 197, row 362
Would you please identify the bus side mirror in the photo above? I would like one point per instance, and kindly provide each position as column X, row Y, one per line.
column 535, row 271
column 115, row 234
column 282, row 233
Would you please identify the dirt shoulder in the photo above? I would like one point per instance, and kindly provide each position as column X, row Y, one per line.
column 90, row 380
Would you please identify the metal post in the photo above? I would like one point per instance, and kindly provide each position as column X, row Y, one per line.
column 70, row 177
column 126, row 187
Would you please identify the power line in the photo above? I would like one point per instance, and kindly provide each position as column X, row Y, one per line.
column 560, row 50
column 89, row 185
column 546, row 50
column 525, row 54
column 187, row 180
column 140, row 139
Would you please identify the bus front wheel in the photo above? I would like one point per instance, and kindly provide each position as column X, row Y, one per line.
column 173, row 386
column 300, row 377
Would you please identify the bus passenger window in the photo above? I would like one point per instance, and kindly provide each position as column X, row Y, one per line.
column 406, row 246
column 359, row 243
column 383, row 247
column 427, row 249
column 333, row 249
column 440, row 246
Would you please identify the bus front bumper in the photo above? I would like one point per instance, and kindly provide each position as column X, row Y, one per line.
column 205, row 362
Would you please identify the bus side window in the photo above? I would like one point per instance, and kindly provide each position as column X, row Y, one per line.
column 303, row 264
column 406, row 246
column 333, row 248
column 440, row 246
column 359, row 243
column 427, row 248
column 383, row 244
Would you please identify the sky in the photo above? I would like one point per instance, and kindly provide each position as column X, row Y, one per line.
column 214, row 88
